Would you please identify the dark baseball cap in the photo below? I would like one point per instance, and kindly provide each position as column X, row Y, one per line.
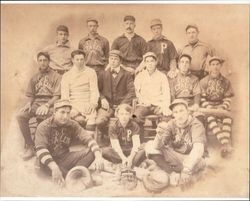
column 178, row 102
column 62, row 103
column 129, row 17
column 62, row 28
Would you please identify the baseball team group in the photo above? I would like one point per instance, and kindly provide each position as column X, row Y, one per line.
column 102, row 97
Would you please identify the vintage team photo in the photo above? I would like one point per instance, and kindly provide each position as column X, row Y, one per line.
column 125, row 100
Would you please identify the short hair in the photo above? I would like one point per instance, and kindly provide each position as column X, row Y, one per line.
column 129, row 17
column 43, row 54
column 126, row 107
column 63, row 28
column 77, row 52
column 185, row 55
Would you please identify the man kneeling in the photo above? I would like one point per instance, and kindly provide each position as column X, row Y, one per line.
column 179, row 145
column 53, row 139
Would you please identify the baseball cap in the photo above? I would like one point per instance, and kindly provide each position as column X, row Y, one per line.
column 155, row 22
column 177, row 102
column 129, row 17
column 149, row 54
column 91, row 19
column 185, row 55
column 62, row 103
column 62, row 28
column 192, row 26
column 116, row 53
column 215, row 58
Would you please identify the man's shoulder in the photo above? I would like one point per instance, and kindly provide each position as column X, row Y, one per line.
column 119, row 38
column 49, row 47
column 83, row 39
column 89, row 70
column 140, row 37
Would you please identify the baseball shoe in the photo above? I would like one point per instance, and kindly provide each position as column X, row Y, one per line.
column 28, row 154
column 226, row 150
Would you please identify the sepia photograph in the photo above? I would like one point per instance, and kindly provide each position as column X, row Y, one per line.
column 125, row 100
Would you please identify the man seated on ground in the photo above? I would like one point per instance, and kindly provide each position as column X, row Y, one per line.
column 152, row 91
column 116, row 87
column 53, row 140
column 124, row 134
column 216, row 93
column 79, row 86
column 179, row 144
column 43, row 90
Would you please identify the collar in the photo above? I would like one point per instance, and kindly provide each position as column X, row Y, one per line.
column 127, row 126
column 67, row 44
column 45, row 71
column 125, row 35
column 75, row 69
column 195, row 45
column 96, row 36
column 186, row 124
column 115, row 70
column 162, row 37
column 216, row 78
column 55, row 124
column 188, row 74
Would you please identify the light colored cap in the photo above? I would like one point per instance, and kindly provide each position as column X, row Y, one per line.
column 177, row 102
column 149, row 54
column 62, row 103
column 215, row 58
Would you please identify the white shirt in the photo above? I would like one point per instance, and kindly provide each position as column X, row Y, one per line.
column 80, row 88
column 153, row 89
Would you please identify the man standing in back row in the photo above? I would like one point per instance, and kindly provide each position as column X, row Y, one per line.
column 131, row 45
column 95, row 47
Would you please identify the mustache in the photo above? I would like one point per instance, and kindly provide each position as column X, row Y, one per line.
column 129, row 29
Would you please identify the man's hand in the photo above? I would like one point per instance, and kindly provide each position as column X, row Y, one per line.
column 129, row 161
column 173, row 73
column 140, row 68
column 98, row 162
column 185, row 180
column 105, row 104
column 42, row 110
column 57, row 176
column 91, row 108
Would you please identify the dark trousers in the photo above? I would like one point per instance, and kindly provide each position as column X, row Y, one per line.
column 70, row 160
column 111, row 155
column 23, row 118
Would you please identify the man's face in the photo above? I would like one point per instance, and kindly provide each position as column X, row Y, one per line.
column 123, row 116
column 43, row 62
column 150, row 63
column 192, row 35
column 184, row 65
column 214, row 68
column 92, row 27
column 156, row 30
column 129, row 26
column 114, row 61
column 62, row 37
column 180, row 113
column 78, row 60
column 62, row 115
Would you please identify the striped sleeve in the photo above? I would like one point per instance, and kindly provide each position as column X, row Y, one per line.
column 43, row 155
column 87, row 137
column 226, row 103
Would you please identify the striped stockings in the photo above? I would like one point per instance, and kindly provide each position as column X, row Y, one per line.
column 223, row 133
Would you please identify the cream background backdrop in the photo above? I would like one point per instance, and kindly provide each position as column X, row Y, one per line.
column 26, row 29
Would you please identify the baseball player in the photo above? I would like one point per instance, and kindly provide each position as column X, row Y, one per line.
column 125, row 141
column 164, row 50
column 216, row 93
column 95, row 47
column 53, row 140
column 60, row 51
column 116, row 87
column 79, row 86
column 179, row 144
column 198, row 50
column 186, row 85
column 131, row 45
column 43, row 90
